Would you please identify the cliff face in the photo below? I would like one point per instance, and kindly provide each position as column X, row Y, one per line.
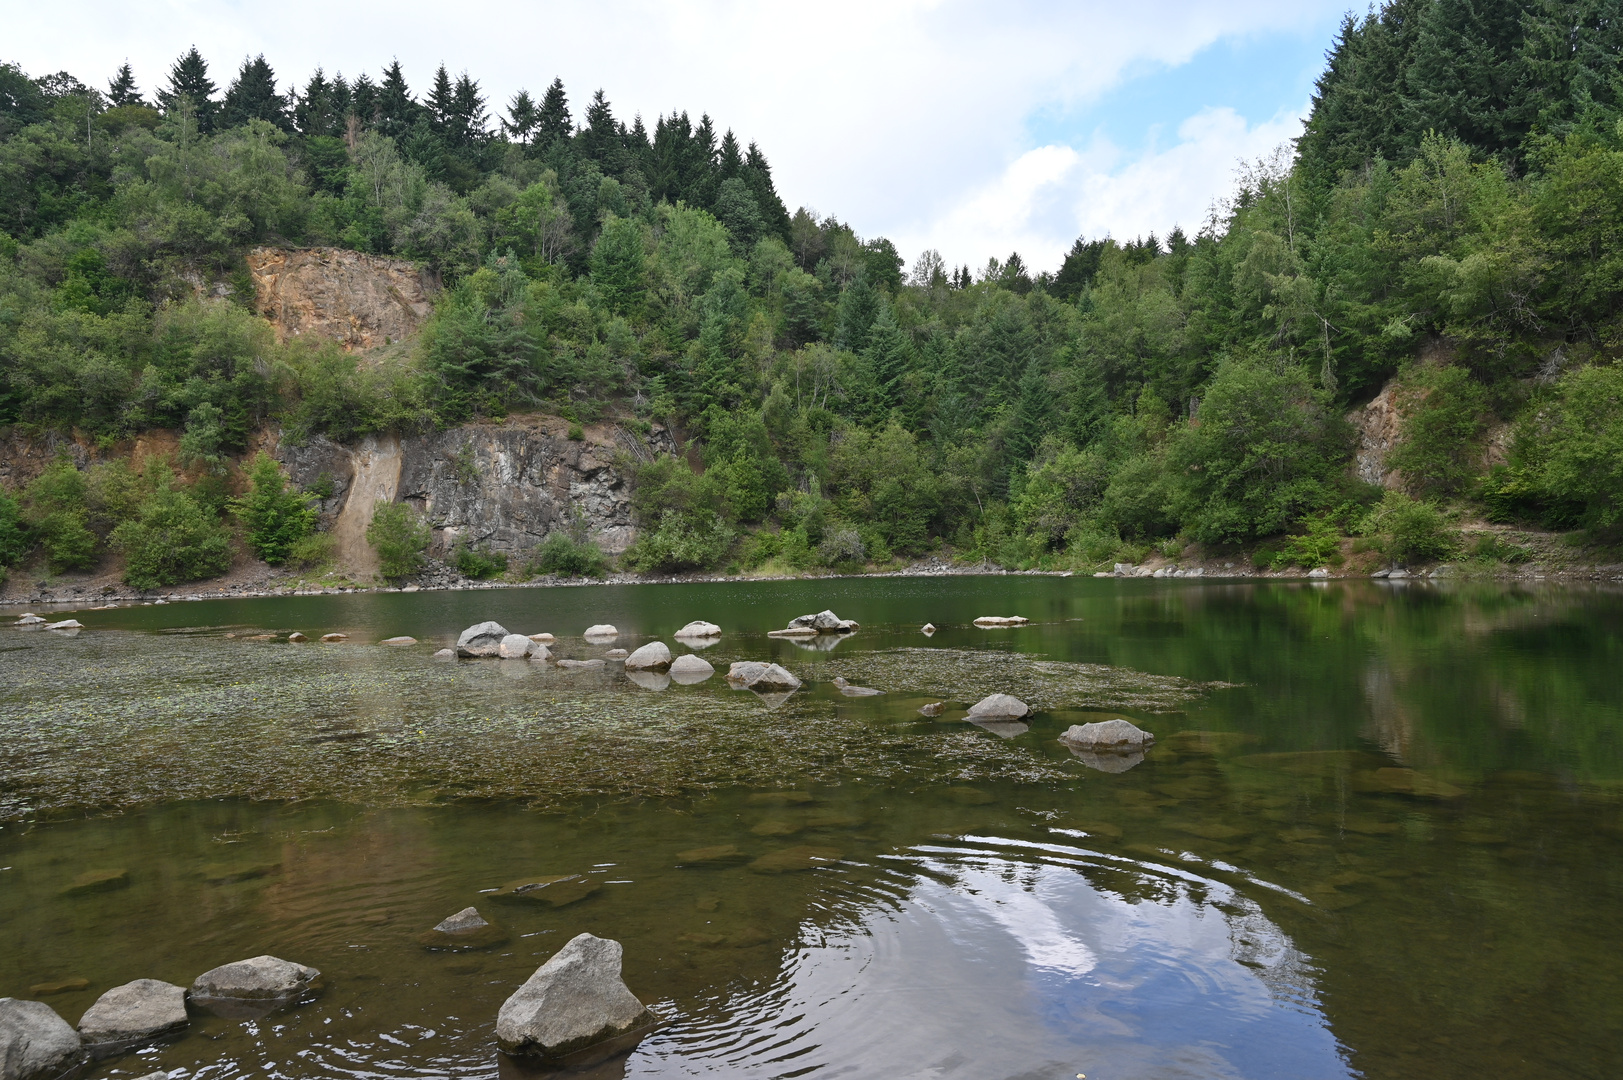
column 503, row 486
column 360, row 301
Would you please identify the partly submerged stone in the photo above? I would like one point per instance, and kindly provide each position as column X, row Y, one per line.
column 1002, row 620
column 481, row 640
column 574, row 1002
column 580, row 665
column 329, row 638
column 514, row 647
column 248, row 988
column 773, row 677
column 789, row 860
column 616, row 654
column 132, row 1015
column 59, row 986
column 542, row 639
column 559, row 890
column 97, row 881
column 742, row 671
column 29, row 619
column 690, row 669
column 934, row 708
column 997, row 707
column 401, row 640
column 467, row 929
column 35, row 1043
column 654, row 656
column 927, row 629
column 65, row 624
column 297, row 638
column 1108, row 735
column 602, row 630
column 793, row 632
column 539, row 653
column 444, row 654
column 698, row 628
column 716, row 854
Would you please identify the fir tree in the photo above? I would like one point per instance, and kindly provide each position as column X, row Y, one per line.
column 441, row 102
column 859, row 307
column 521, row 117
column 1464, row 77
column 758, row 175
column 888, row 354
column 729, row 161
column 189, row 78
column 553, row 124
column 121, row 90
column 253, row 96
column 396, row 109
column 469, row 121
column 364, row 100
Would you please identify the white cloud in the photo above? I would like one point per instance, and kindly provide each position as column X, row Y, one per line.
column 891, row 115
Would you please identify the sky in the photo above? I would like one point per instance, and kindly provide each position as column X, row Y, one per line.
column 973, row 129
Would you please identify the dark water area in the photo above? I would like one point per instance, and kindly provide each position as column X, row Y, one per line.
column 1380, row 833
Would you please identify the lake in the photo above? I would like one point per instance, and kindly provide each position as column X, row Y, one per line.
column 1380, row 833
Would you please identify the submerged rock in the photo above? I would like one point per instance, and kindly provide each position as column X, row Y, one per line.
column 698, row 628
column 481, row 640
column 717, row 854
column 796, row 858
column 444, row 654
column 1107, row 735
column 649, row 680
column 793, row 632
column 65, row 624
column 852, row 690
column 575, row 1001
column 133, row 1015
column 402, row 640
column 515, row 647
column 97, row 881
column 35, row 1043
column 934, row 708
column 998, row 706
column 467, row 929
column 690, row 669
column 654, row 656
column 601, row 630
column 559, row 891
column 616, row 654
column 58, row 986
column 580, row 665
column 253, row 987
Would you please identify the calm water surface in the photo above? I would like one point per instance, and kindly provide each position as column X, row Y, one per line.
column 1381, row 833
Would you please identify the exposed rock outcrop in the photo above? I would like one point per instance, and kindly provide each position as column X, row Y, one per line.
column 358, row 300
column 1379, row 423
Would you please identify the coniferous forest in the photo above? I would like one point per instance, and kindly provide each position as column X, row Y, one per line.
column 1451, row 217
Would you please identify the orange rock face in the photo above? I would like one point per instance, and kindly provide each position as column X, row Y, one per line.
column 360, row 301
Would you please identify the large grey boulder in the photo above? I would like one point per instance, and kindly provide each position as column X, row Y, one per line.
column 690, row 669
column 132, row 1015
column 515, row 647
column 998, row 707
column 824, row 621
column 35, row 1043
column 742, row 671
column 483, row 639
column 654, row 656
column 601, row 630
column 1108, row 735
column 771, row 678
column 574, row 1001
column 254, row 986
column 698, row 628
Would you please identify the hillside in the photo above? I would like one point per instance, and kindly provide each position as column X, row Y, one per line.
column 1444, row 240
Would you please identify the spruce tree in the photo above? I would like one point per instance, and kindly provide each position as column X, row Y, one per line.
column 729, row 161
column 396, row 109
column 441, row 102
column 758, row 175
column 521, row 117
column 889, row 354
column 314, row 114
column 364, row 100
column 189, row 78
column 1464, row 77
column 121, row 90
column 253, row 96
column 1572, row 57
column 469, row 120
column 859, row 306
column 554, row 124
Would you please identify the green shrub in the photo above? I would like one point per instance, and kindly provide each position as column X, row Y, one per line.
column 275, row 516
column 477, row 561
column 311, row 552
column 58, row 514
column 1491, row 549
column 842, row 546
column 14, row 540
column 682, row 542
column 1406, row 530
column 1318, row 544
column 400, row 540
column 1437, row 449
column 565, row 556
column 173, row 539
column 1575, row 441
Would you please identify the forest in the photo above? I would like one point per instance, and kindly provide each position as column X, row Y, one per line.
column 1451, row 216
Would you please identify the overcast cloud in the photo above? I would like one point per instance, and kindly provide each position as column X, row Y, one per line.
column 976, row 129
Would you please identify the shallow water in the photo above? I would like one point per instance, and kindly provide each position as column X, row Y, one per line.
column 1381, row 833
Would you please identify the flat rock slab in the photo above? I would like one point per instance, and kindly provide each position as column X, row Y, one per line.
column 792, row 859
column 93, row 881
column 616, row 654
column 542, row 639
column 132, row 1015
column 558, row 891
column 715, row 855
column 794, row 632
column 402, row 640
column 481, row 640
column 334, row 637
column 259, row 979
column 574, row 1001
column 65, row 624
column 690, row 669
column 1002, row 620
column 999, row 707
column 654, row 656
column 579, row 665
column 35, row 1043
column 1108, row 735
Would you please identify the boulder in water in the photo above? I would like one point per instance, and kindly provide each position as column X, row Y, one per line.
column 402, row 640
column 467, row 929
column 824, row 622
column 35, row 1043
column 1002, row 620
column 334, row 637
column 295, row 637
column 698, row 628
column 542, row 639
column 250, row 988
column 132, row 1015
column 742, row 671
column 601, row 630
column 773, row 677
column 654, row 656
column 444, row 654
column 690, row 669
column 1107, row 735
column 29, row 619
column 515, row 647
column 539, row 654
column 927, row 629
column 616, row 654
column 998, row 707
column 481, row 640
column 65, row 624
column 574, row 1002
column 934, row 708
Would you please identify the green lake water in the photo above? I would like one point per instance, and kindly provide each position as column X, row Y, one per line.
column 1380, row 833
